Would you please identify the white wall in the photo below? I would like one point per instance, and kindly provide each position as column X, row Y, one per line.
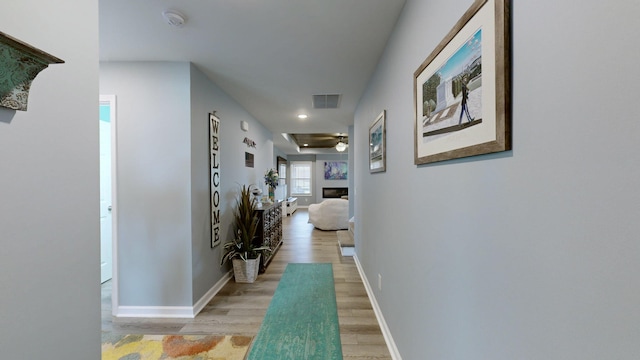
column 526, row 254
column 49, row 210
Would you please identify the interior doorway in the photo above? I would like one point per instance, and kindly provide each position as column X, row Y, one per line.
column 107, row 126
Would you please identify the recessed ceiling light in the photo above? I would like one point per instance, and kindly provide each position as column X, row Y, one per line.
column 305, row 144
column 302, row 116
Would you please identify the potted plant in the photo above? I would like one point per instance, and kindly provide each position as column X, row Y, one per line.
column 271, row 180
column 243, row 252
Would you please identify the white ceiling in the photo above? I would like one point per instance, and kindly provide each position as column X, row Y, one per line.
column 271, row 56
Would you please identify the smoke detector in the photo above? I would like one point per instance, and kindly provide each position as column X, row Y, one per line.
column 174, row 18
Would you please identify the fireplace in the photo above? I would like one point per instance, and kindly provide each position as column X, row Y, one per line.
column 334, row 192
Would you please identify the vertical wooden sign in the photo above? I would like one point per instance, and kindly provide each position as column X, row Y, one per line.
column 214, row 129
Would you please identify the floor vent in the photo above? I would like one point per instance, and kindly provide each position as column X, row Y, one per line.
column 326, row 101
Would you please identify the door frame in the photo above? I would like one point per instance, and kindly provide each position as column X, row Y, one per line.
column 111, row 100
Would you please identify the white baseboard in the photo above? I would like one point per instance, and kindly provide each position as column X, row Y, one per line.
column 393, row 349
column 204, row 300
column 155, row 311
column 189, row 312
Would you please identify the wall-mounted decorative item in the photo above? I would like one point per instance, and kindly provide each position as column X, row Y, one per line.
column 378, row 144
column 214, row 127
column 248, row 159
column 19, row 65
column 335, row 170
column 249, row 142
column 462, row 90
column 244, row 125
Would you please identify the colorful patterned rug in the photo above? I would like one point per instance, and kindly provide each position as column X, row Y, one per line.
column 302, row 318
column 170, row 347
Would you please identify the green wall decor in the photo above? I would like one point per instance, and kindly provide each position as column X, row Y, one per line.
column 19, row 65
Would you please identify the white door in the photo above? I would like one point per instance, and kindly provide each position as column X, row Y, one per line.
column 106, row 236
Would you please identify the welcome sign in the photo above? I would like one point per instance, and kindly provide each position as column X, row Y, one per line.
column 214, row 128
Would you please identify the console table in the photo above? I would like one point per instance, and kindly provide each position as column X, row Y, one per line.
column 269, row 231
column 292, row 205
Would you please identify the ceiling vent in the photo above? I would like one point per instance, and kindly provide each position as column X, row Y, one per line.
column 326, row 101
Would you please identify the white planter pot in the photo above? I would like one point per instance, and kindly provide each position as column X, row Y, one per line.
column 246, row 271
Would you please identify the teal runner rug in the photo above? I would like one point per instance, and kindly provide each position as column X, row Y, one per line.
column 302, row 318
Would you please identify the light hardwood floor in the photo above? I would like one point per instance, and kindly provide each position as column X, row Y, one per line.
column 238, row 309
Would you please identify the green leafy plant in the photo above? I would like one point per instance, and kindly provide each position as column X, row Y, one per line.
column 245, row 228
column 271, row 178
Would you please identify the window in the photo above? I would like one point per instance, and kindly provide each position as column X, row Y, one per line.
column 301, row 178
column 282, row 171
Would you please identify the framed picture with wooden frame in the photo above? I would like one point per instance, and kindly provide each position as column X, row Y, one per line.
column 462, row 91
column 378, row 144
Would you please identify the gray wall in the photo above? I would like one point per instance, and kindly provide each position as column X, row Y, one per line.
column 282, row 192
column 164, row 229
column 526, row 254
column 49, row 212
column 206, row 97
column 352, row 173
column 153, row 180
column 320, row 182
column 206, row 270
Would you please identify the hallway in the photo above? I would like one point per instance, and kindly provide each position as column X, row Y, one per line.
column 238, row 309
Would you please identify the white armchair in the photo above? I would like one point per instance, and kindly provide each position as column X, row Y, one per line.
column 331, row 214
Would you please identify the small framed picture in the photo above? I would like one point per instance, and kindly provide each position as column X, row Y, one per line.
column 378, row 144
column 248, row 159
